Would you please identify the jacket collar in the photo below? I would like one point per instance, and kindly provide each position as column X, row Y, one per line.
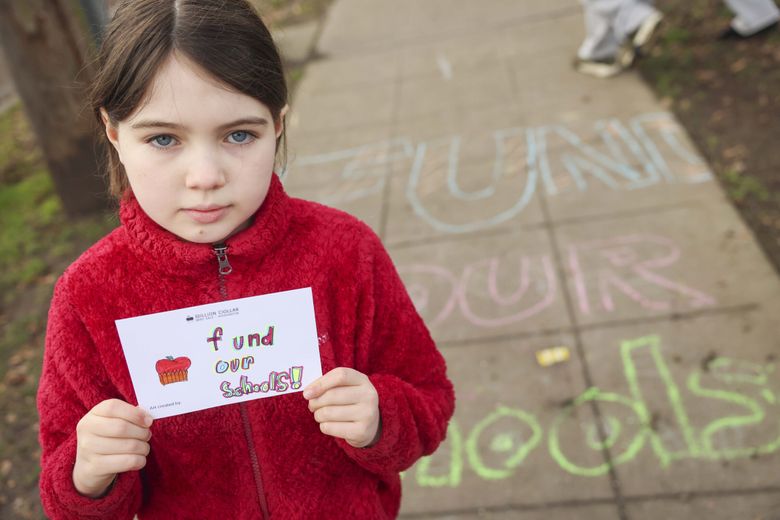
column 163, row 250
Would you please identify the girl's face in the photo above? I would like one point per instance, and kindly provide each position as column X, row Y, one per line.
column 199, row 157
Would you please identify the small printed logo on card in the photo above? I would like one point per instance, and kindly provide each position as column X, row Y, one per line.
column 210, row 315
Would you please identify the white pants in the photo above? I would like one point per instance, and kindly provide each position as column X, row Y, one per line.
column 609, row 22
column 752, row 15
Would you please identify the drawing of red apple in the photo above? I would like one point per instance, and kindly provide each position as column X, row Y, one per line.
column 173, row 370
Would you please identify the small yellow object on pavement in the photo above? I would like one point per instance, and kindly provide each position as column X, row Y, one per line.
column 552, row 356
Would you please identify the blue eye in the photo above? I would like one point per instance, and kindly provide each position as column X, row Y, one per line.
column 241, row 137
column 162, row 141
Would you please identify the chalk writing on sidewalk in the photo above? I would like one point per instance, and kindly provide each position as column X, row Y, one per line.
column 623, row 264
column 749, row 426
column 478, row 282
column 630, row 266
column 492, row 179
column 361, row 171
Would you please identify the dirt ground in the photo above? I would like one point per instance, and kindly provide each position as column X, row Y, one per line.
column 727, row 95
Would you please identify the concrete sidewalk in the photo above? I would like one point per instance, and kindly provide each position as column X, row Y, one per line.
column 528, row 207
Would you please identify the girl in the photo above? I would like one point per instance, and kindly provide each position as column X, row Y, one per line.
column 192, row 98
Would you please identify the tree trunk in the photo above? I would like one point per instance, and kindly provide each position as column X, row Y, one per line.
column 48, row 47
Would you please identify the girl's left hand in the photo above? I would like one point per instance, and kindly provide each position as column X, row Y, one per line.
column 346, row 405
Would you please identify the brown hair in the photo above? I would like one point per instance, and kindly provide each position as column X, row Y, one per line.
column 227, row 38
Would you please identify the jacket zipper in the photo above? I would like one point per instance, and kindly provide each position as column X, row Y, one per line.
column 220, row 250
column 224, row 268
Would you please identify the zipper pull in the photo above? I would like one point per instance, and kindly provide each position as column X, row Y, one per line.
column 224, row 266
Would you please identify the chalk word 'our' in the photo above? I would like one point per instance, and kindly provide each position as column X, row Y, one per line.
column 629, row 265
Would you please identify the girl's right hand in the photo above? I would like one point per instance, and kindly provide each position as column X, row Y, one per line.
column 113, row 437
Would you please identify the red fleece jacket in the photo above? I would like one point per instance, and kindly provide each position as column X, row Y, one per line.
column 238, row 460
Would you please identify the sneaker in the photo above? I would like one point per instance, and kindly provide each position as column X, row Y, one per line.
column 636, row 42
column 602, row 68
column 731, row 34
column 642, row 35
column 626, row 55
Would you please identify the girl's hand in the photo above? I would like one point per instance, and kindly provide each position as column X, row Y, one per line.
column 346, row 405
column 113, row 437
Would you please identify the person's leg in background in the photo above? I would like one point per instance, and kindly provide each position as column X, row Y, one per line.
column 751, row 18
column 614, row 28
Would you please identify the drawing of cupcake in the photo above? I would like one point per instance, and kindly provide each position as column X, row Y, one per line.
column 173, row 370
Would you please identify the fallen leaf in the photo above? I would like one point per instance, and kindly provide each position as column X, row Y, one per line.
column 735, row 152
column 717, row 116
column 16, row 360
column 737, row 167
column 16, row 377
column 706, row 75
column 738, row 66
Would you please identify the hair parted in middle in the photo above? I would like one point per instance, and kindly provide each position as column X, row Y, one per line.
column 226, row 38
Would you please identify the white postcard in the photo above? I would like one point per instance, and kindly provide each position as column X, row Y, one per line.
column 222, row 353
